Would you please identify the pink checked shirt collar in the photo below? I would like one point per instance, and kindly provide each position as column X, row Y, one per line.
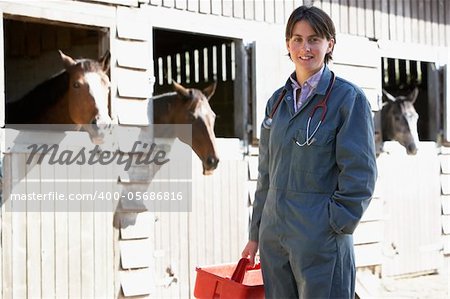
column 305, row 90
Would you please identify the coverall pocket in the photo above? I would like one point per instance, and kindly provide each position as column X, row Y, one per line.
column 329, row 217
column 317, row 157
column 321, row 138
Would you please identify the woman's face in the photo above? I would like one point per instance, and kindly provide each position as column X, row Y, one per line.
column 307, row 49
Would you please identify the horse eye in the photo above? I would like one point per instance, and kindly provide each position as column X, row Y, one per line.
column 76, row 84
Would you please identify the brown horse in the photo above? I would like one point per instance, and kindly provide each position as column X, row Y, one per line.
column 190, row 106
column 77, row 95
column 399, row 120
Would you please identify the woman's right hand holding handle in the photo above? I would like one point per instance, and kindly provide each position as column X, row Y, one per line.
column 250, row 251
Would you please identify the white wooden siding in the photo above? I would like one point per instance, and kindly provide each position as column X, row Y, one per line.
column 213, row 233
column 412, row 209
column 360, row 64
column 368, row 254
column 54, row 253
column 134, row 54
column 134, row 73
column 136, row 37
column 444, row 159
column 418, row 21
column 58, row 10
column 2, row 76
column 120, row 2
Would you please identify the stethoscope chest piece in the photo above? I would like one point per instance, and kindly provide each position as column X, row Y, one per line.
column 322, row 105
column 267, row 122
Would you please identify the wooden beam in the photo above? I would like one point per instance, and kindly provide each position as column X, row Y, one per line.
column 344, row 11
column 138, row 29
column 77, row 12
column 377, row 19
column 407, row 20
column 435, row 23
column 2, row 81
column 361, row 17
column 400, row 29
column 384, row 34
column 279, row 12
column 428, row 19
column 238, row 9
column 392, row 9
column 352, row 17
column 335, row 14
column 421, row 22
column 269, row 11
column 414, row 6
column 205, row 6
column 369, row 19
column 441, row 23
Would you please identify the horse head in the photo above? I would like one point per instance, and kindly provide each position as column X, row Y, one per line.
column 194, row 109
column 399, row 120
column 88, row 93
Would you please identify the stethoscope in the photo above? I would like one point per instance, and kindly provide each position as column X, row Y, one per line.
column 267, row 123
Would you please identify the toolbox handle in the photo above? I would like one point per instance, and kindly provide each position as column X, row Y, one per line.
column 241, row 268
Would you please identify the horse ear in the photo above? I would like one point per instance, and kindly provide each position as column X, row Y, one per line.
column 67, row 60
column 389, row 96
column 184, row 92
column 209, row 91
column 105, row 61
column 412, row 97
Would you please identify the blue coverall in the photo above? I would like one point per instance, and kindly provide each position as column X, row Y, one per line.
column 310, row 199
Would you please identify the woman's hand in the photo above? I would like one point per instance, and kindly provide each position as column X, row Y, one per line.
column 250, row 251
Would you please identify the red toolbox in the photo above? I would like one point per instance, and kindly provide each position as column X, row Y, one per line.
column 229, row 281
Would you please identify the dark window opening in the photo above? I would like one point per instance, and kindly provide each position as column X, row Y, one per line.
column 196, row 60
column 31, row 51
column 399, row 77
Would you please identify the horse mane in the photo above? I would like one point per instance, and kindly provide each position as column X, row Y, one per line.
column 39, row 99
column 28, row 108
column 89, row 65
column 161, row 106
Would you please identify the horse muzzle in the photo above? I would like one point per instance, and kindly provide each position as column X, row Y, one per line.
column 209, row 165
column 411, row 149
column 98, row 129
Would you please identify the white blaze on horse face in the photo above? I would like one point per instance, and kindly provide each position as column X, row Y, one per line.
column 97, row 91
column 209, row 117
column 210, row 159
column 412, row 119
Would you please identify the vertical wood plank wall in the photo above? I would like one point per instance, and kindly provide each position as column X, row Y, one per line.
column 213, row 233
column 412, row 209
column 47, row 252
column 71, row 245
column 444, row 159
column 418, row 21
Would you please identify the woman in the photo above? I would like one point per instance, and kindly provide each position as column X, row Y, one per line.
column 316, row 173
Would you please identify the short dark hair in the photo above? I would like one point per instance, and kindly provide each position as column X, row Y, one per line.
column 319, row 20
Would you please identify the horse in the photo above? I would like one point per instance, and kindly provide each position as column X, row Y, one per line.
column 190, row 106
column 76, row 95
column 399, row 120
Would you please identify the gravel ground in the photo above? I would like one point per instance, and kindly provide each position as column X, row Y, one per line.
column 435, row 286
column 432, row 286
